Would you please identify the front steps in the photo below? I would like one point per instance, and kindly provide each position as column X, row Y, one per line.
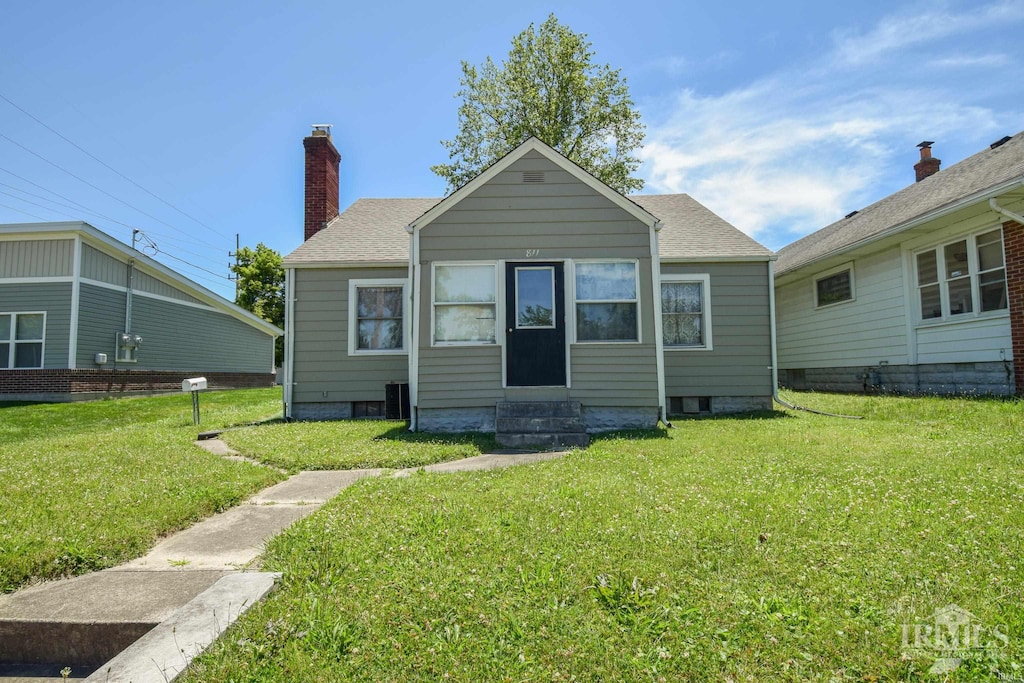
column 544, row 424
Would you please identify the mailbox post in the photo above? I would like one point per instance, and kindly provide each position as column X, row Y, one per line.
column 194, row 386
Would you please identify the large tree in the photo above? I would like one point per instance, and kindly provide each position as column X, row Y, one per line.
column 260, row 279
column 549, row 87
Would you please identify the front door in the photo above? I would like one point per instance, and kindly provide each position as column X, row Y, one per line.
column 535, row 324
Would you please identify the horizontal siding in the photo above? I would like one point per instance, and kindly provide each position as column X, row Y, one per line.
column 460, row 377
column 55, row 299
column 324, row 372
column 866, row 331
column 174, row 337
column 740, row 359
column 560, row 218
column 977, row 341
column 101, row 316
column 37, row 258
column 623, row 375
column 102, row 267
column 177, row 337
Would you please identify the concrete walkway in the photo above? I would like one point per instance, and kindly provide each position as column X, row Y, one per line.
column 88, row 619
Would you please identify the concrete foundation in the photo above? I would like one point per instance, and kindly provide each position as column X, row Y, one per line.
column 601, row 419
column 456, row 419
column 725, row 405
column 943, row 379
column 340, row 410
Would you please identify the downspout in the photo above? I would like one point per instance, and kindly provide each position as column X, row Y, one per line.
column 775, row 354
column 1016, row 217
column 289, row 340
column 128, row 297
column 659, row 342
column 414, row 343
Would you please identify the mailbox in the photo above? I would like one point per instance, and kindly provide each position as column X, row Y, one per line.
column 194, row 384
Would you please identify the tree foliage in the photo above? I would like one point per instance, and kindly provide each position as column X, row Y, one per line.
column 260, row 278
column 549, row 87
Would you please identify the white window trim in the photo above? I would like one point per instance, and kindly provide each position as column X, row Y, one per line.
column 353, row 316
column 498, row 307
column 705, row 280
column 14, row 330
column 829, row 273
column 575, row 302
column 975, row 277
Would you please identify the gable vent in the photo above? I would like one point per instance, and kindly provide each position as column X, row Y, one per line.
column 533, row 176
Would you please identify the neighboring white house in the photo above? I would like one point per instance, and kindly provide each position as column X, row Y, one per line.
column 534, row 299
column 921, row 292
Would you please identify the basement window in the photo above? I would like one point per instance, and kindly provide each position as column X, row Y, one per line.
column 689, row 405
column 374, row 410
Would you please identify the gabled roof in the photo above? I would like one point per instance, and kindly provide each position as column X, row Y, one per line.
column 535, row 145
column 976, row 178
column 104, row 242
column 372, row 232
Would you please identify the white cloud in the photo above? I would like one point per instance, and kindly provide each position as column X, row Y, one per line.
column 899, row 32
column 794, row 151
column 970, row 61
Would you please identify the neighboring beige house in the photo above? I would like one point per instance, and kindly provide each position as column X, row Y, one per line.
column 921, row 292
column 534, row 301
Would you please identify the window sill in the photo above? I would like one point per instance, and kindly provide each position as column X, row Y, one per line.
column 834, row 304
column 688, row 348
column 966, row 320
column 452, row 344
column 370, row 352
column 614, row 342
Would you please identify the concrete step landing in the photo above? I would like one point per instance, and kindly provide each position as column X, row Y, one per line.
column 544, row 424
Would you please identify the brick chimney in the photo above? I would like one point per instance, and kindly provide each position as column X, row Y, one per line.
column 928, row 165
column 322, row 161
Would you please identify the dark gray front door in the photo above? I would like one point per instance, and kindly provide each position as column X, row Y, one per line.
column 535, row 324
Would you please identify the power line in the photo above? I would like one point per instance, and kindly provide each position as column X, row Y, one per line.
column 46, row 189
column 61, row 168
column 41, row 206
column 24, row 212
column 47, row 199
column 109, row 167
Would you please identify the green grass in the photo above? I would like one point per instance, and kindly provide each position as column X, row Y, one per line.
column 352, row 444
column 86, row 486
column 769, row 548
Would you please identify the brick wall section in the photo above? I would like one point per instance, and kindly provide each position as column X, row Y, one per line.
column 120, row 381
column 322, row 161
column 1013, row 243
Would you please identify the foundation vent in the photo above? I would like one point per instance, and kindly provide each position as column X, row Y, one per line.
column 533, row 176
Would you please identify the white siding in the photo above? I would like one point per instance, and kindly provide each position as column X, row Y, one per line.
column 870, row 329
column 974, row 341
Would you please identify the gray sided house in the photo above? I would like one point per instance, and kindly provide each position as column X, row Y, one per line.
column 534, row 298
column 921, row 292
column 84, row 316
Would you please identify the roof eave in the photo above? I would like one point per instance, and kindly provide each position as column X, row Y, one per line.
column 303, row 265
column 939, row 212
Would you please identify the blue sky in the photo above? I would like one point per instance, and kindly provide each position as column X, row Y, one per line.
column 781, row 117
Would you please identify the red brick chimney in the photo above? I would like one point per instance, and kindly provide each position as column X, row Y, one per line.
column 928, row 165
column 322, row 161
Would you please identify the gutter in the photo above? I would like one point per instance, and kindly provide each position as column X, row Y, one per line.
column 659, row 342
column 289, row 340
column 1005, row 212
column 414, row 342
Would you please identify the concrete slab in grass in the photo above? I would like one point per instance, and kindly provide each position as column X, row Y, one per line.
column 164, row 652
column 311, row 487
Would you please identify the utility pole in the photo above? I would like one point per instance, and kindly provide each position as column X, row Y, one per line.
column 235, row 255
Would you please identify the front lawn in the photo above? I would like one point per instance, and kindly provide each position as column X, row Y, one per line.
column 86, row 486
column 794, row 547
column 352, row 444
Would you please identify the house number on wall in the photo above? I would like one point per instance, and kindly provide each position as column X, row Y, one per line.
column 530, row 253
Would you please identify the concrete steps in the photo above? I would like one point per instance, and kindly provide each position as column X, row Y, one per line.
column 544, row 424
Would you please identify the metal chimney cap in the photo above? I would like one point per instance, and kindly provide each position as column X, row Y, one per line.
column 925, row 144
column 322, row 129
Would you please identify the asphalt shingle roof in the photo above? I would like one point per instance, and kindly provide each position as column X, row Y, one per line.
column 975, row 174
column 373, row 231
